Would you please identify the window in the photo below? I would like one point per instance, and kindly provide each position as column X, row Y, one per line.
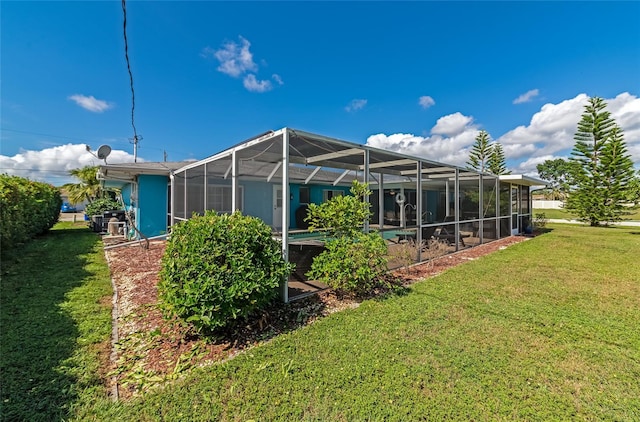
column 328, row 194
column 305, row 195
column 219, row 198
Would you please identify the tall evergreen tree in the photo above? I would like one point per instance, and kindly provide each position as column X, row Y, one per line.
column 604, row 170
column 618, row 175
column 480, row 152
column 497, row 162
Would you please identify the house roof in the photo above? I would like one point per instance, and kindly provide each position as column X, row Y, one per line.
column 522, row 180
column 117, row 175
column 130, row 170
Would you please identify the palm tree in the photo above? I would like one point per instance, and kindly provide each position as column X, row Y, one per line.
column 89, row 187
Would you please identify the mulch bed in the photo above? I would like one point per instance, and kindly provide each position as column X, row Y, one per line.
column 152, row 349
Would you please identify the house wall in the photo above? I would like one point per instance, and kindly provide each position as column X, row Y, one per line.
column 258, row 198
column 151, row 215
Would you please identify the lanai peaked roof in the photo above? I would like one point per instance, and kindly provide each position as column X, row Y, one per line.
column 312, row 153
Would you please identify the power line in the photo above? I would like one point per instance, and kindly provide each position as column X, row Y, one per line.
column 72, row 138
column 133, row 95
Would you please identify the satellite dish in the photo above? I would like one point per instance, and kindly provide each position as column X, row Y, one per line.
column 103, row 152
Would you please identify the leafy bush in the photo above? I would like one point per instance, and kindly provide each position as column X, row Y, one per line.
column 220, row 268
column 540, row 220
column 100, row 205
column 353, row 261
column 351, row 264
column 341, row 215
column 27, row 208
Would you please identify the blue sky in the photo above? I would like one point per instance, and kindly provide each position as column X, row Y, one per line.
column 418, row 77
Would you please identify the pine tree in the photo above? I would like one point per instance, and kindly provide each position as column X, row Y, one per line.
column 604, row 170
column 618, row 175
column 497, row 161
column 480, row 152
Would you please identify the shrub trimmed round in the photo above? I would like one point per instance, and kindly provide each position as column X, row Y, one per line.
column 217, row 269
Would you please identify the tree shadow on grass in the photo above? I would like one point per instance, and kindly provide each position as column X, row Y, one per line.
column 38, row 334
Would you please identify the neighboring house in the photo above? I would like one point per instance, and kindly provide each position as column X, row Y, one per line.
column 144, row 189
column 274, row 175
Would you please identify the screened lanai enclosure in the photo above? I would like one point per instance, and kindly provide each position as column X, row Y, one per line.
column 414, row 201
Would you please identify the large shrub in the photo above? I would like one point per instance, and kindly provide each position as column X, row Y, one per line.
column 220, row 268
column 353, row 262
column 27, row 208
column 100, row 205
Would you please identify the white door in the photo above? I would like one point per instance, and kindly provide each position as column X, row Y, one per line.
column 515, row 208
column 277, row 206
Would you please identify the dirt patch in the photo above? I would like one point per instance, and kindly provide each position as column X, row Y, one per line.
column 152, row 350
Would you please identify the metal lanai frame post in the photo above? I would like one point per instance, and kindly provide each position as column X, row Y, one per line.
column 286, row 205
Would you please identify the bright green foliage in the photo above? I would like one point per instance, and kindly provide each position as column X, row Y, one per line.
column 559, row 174
column 496, row 163
column 27, row 208
column 99, row 206
column 342, row 215
column 604, row 171
column 220, row 268
column 351, row 264
column 480, row 152
column 353, row 261
column 87, row 189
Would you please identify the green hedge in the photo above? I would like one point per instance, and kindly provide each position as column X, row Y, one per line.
column 27, row 208
column 220, row 268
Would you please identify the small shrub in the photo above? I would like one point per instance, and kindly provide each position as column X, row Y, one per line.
column 351, row 264
column 435, row 249
column 220, row 268
column 353, row 261
column 405, row 254
column 540, row 220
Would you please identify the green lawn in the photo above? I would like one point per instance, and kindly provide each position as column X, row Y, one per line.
column 563, row 214
column 543, row 330
column 56, row 321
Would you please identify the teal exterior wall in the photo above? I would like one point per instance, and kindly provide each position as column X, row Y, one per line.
column 151, row 215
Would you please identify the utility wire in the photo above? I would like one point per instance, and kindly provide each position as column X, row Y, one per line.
column 133, row 95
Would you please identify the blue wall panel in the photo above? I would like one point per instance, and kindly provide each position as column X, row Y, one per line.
column 152, row 205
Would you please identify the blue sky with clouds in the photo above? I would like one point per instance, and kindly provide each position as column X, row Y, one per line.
column 418, row 77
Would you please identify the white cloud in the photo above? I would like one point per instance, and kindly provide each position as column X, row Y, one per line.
column 52, row 165
column 550, row 131
column 449, row 142
column 277, row 78
column 90, row 103
column 527, row 96
column 426, row 101
column 254, row 85
column 452, row 124
column 355, row 105
column 236, row 60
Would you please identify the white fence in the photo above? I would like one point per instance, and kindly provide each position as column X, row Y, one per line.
column 541, row 204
